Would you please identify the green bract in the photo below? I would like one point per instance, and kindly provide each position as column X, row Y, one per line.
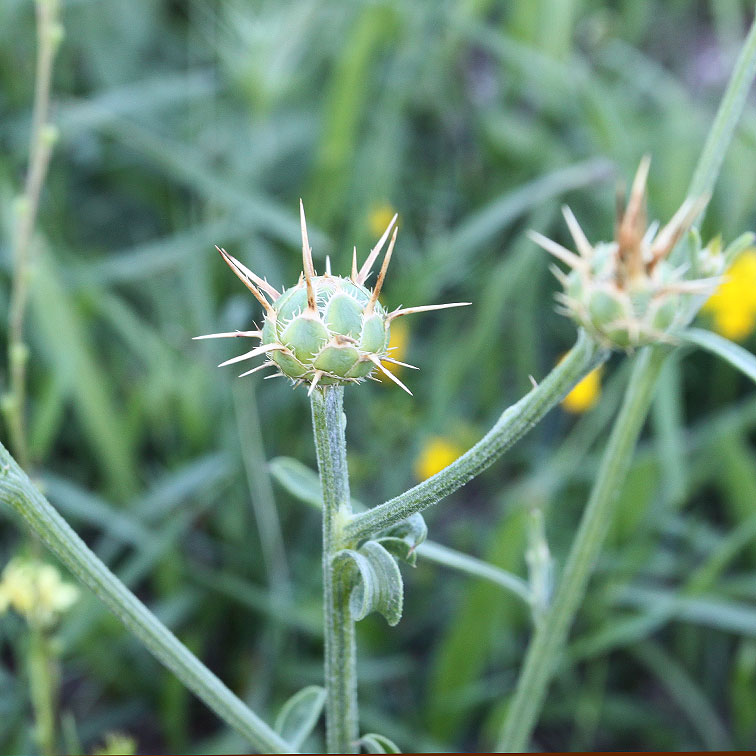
column 340, row 339
column 326, row 329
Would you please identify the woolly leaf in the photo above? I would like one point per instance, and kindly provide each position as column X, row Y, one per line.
column 301, row 481
column 377, row 582
column 298, row 479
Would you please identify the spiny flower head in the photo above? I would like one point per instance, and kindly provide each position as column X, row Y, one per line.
column 36, row 590
column 626, row 293
column 326, row 329
column 733, row 305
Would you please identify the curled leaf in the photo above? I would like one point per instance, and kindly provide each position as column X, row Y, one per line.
column 402, row 539
column 377, row 582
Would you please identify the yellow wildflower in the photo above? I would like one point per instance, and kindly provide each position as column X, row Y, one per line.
column 380, row 216
column 397, row 347
column 437, row 453
column 36, row 590
column 117, row 744
column 585, row 394
column 733, row 305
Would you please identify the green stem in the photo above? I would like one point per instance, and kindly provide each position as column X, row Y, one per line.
column 509, row 428
column 727, row 117
column 328, row 422
column 550, row 636
column 22, row 496
column 41, row 140
column 42, row 685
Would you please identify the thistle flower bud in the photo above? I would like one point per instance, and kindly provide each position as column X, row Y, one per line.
column 626, row 293
column 325, row 329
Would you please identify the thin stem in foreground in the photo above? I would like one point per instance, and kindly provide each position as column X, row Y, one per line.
column 727, row 118
column 342, row 722
column 42, row 138
column 22, row 495
column 43, row 687
column 513, row 423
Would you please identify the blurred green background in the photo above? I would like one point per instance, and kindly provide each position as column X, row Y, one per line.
column 188, row 124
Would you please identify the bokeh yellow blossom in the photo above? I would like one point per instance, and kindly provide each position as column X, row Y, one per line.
column 437, row 453
column 379, row 218
column 117, row 744
column 398, row 346
column 36, row 590
column 733, row 305
column 585, row 394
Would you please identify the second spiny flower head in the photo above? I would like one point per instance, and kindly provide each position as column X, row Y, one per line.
column 325, row 329
column 627, row 293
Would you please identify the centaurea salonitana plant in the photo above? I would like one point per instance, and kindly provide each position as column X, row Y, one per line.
column 624, row 295
column 550, row 636
column 327, row 332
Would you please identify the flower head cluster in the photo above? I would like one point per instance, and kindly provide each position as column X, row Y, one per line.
column 326, row 329
column 626, row 293
column 733, row 305
column 35, row 590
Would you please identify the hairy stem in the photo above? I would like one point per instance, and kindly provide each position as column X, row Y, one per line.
column 328, row 422
column 24, row 498
column 550, row 636
column 551, row 633
column 509, row 428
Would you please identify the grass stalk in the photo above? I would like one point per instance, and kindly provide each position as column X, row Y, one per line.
column 41, row 141
column 342, row 723
column 43, row 687
column 727, row 118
